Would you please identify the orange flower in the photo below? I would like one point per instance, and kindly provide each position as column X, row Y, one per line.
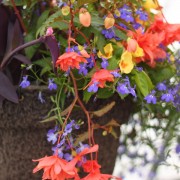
column 101, row 77
column 55, row 168
column 70, row 60
column 93, row 168
column 171, row 31
column 150, row 43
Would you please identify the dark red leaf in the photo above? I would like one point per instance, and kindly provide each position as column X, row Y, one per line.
column 52, row 44
column 7, row 90
column 22, row 58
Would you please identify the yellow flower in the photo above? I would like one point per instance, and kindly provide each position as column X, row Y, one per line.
column 138, row 52
column 150, row 4
column 108, row 50
column 126, row 63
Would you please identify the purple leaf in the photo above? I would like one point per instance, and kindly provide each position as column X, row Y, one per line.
column 52, row 44
column 7, row 90
column 22, row 58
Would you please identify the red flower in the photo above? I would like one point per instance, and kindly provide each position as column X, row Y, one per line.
column 150, row 43
column 101, row 77
column 55, row 168
column 171, row 31
column 70, row 60
column 93, row 168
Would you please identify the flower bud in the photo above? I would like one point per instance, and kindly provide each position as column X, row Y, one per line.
column 109, row 21
column 84, row 17
column 65, row 10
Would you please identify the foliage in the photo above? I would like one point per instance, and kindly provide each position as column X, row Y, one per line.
column 95, row 49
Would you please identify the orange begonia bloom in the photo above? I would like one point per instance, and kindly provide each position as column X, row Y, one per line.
column 101, row 77
column 55, row 168
column 149, row 42
column 70, row 60
column 93, row 168
column 171, row 31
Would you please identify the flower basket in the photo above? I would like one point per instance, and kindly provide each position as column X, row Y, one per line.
column 23, row 137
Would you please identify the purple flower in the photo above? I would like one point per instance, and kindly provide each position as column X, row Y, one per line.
column 139, row 69
column 93, row 87
column 90, row 63
column 115, row 74
column 142, row 15
column 161, row 86
column 122, row 89
column 52, row 136
column 82, row 69
column 108, row 33
column 52, row 85
column 68, row 157
column 82, row 147
column 58, row 151
column 126, row 13
column 136, row 25
column 104, row 63
column 150, row 98
column 132, row 91
column 178, row 149
column 168, row 97
column 24, row 83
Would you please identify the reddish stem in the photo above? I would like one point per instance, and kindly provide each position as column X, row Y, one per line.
column 19, row 16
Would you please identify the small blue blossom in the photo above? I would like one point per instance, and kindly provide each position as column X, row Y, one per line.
column 167, row 97
column 142, row 15
column 82, row 69
column 82, row 147
column 104, row 63
column 58, row 151
column 140, row 69
column 126, row 13
column 52, row 136
column 150, row 98
column 161, row 86
column 93, row 87
column 52, row 85
column 90, row 63
column 136, row 25
column 108, row 33
column 115, row 74
column 24, row 83
column 67, row 157
column 122, row 89
column 132, row 91
column 178, row 149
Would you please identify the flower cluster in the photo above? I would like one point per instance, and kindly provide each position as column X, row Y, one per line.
column 97, row 50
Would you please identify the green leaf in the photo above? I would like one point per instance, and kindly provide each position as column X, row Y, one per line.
column 120, row 34
column 42, row 18
column 82, row 2
column 113, row 63
column 86, row 96
column 59, row 25
column 104, row 93
column 96, row 20
column 99, row 40
column 143, row 82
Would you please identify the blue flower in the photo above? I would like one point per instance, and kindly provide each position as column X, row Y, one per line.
column 122, row 89
column 168, row 97
column 126, row 13
column 82, row 69
column 93, row 87
column 115, row 74
column 104, row 63
column 67, row 157
column 52, row 136
column 58, row 151
column 24, row 83
column 178, row 149
column 108, row 33
column 142, row 15
column 161, row 86
column 52, row 85
column 150, row 98
column 82, row 147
